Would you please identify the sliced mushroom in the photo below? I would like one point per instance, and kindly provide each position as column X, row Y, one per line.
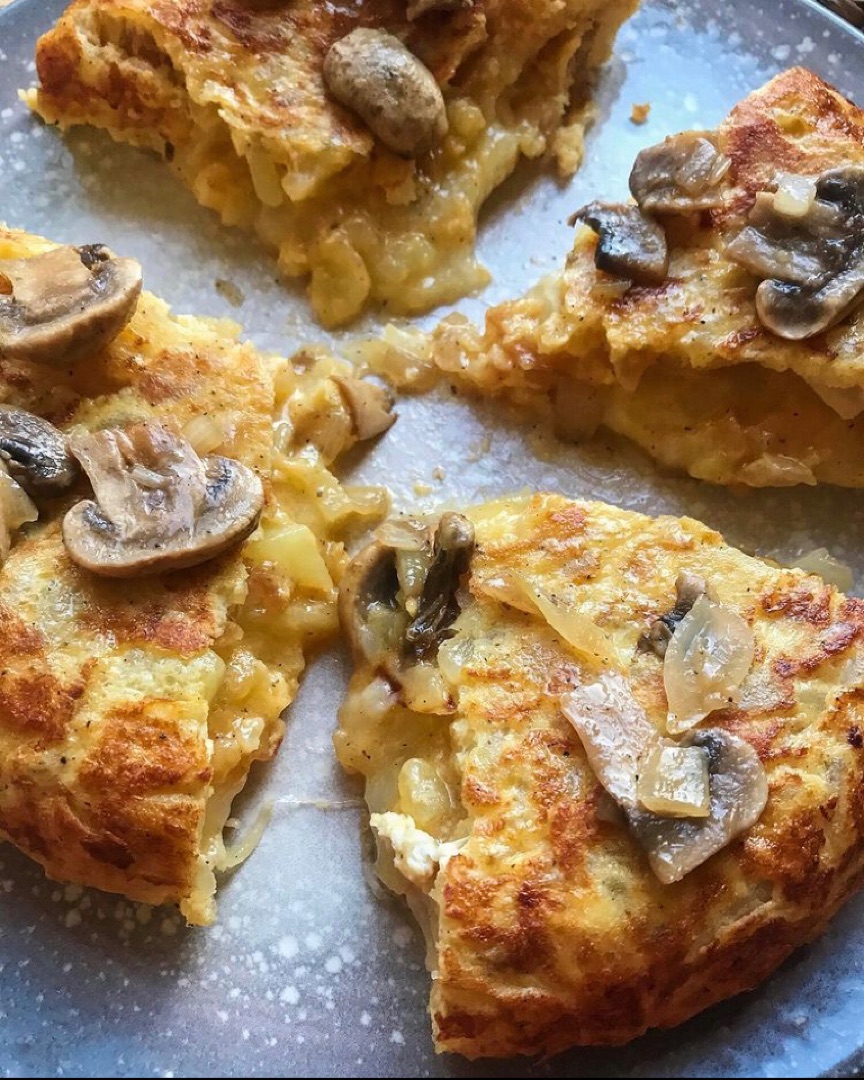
column 60, row 306
column 35, row 453
column 372, row 73
column 688, row 587
column 158, row 506
column 739, row 793
column 794, row 313
column 416, row 8
column 812, row 264
column 630, row 244
column 680, row 175
column 439, row 608
column 369, row 406
column 619, row 740
column 614, row 730
column 394, row 624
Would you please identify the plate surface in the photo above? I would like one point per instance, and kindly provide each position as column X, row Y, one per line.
column 308, row 973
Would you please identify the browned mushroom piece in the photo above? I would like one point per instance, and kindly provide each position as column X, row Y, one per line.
column 372, row 73
column 630, row 245
column 65, row 304
column 370, row 406
column 688, row 588
column 35, row 453
column 452, row 549
column 158, row 506
column 680, row 175
column 368, row 607
column 389, row 631
column 812, row 261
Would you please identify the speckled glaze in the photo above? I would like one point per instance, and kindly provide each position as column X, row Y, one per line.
column 310, row 972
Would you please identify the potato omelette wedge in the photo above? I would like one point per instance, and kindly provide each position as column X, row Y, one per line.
column 170, row 539
column 716, row 320
column 615, row 765
column 359, row 140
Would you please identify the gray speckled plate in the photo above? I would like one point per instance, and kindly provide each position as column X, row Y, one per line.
column 308, row 973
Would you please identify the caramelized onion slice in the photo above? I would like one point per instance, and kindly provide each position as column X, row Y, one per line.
column 577, row 629
column 739, row 793
column 706, row 661
column 673, row 782
column 580, row 632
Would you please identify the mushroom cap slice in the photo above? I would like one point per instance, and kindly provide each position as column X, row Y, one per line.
column 370, row 406
column 795, row 314
column 680, row 175
column 618, row 738
column 60, row 306
column 615, row 733
column 813, row 264
column 630, row 244
column 158, row 507
column 739, row 794
column 35, row 453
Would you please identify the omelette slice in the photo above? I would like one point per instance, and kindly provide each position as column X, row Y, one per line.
column 131, row 710
column 614, row 764
column 718, row 324
column 252, row 111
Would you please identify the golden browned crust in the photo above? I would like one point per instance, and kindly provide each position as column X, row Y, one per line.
column 686, row 369
column 235, row 98
column 552, row 930
column 131, row 712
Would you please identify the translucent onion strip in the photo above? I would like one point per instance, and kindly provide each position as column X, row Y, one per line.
column 706, row 662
